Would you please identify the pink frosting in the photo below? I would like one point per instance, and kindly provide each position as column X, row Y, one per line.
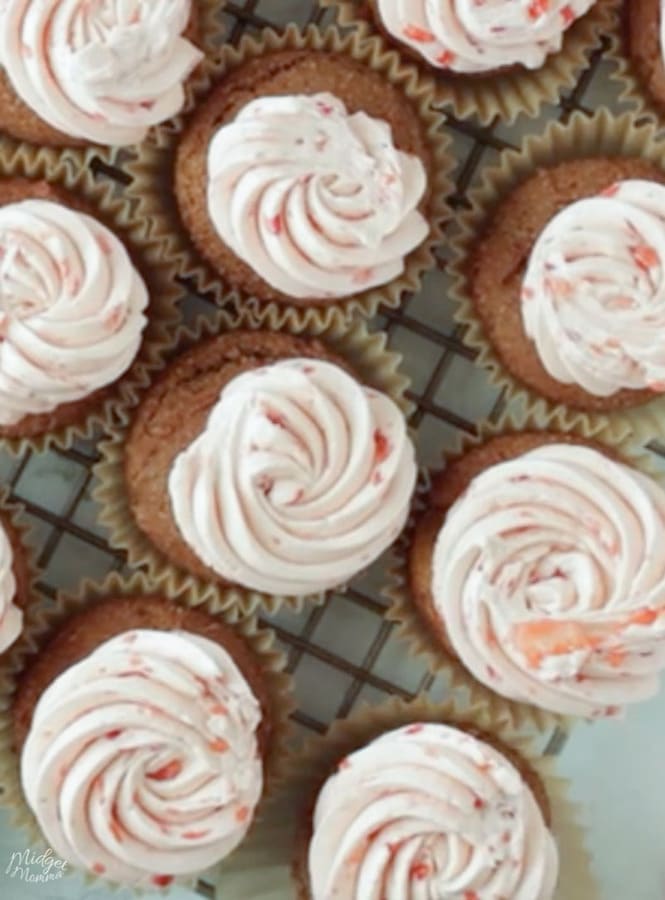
column 549, row 575
column 98, row 70
column 319, row 202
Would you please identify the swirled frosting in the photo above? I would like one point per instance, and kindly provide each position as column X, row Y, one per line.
column 550, row 578
column 319, row 202
column 142, row 760
column 593, row 297
column 429, row 811
column 471, row 36
column 11, row 617
column 98, row 70
column 301, row 478
column 71, row 308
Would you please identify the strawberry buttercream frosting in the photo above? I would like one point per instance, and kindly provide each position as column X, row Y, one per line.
column 593, row 297
column 318, row 201
column 475, row 36
column 429, row 811
column 142, row 761
column 301, row 478
column 98, row 70
column 11, row 617
column 549, row 576
column 71, row 308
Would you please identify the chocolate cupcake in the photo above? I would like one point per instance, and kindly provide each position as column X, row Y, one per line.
column 557, row 270
column 260, row 459
column 17, row 574
column 142, row 730
column 99, row 73
column 504, row 59
column 535, row 566
column 87, row 298
column 419, row 799
column 642, row 37
column 311, row 177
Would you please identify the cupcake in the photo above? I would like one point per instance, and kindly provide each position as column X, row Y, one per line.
column 259, row 459
column 498, row 59
column 413, row 800
column 86, row 298
column 643, row 36
column 311, row 176
column 141, row 729
column 557, row 270
column 439, row 788
column 536, row 565
column 95, row 73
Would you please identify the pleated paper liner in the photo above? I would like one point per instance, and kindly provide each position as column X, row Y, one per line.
column 412, row 625
column 205, row 29
column 152, row 184
column 70, row 171
column 46, row 619
column 263, row 868
column 633, row 83
column 505, row 93
column 601, row 135
column 366, row 354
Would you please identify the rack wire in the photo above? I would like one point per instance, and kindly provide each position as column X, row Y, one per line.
column 344, row 651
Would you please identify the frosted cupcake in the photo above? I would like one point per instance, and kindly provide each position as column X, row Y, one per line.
column 536, row 565
column 73, row 309
column 430, row 810
column 142, row 733
column 500, row 58
column 99, row 72
column 643, row 35
column 259, row 459
column 16, row 576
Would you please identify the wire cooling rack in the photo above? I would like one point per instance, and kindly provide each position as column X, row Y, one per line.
column 344, row 651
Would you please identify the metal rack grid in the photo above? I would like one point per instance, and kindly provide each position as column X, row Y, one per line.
column 344, row 651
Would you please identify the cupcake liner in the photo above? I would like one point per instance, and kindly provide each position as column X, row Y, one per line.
column 26, row 569
column 599, row 135
column 45, row 619
column 372, row 363
column 152, row 179
column 633, row 89
column 412, row 626
column 210, row 34
column 262, row 869
column 71, row 171
column 506, row 93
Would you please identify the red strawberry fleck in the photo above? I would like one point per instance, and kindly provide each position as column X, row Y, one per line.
column 470, row 895
column 344, row 763
column 274, row 224
column 381, row 447
column 418, row 34
column 479, row 803
column 113, row 734
column 170, row 770
column 415, row 729
column 275, row 418
column 528, row 293
column 568, row 15
column 324, row 108
column 537, row 8
column 446, row 58
column 645, row 256
column 377, row 477
column 242, row 814
column 612, row 710
column 130, row 638
column 117, row 830
column 265, row 484
column 218, row 745
column 610, row 191
column 219, row 709
column 419, row 870
column 162, row 880
column 114, row 318
column 308, row 370
column 362, row 276
column 98, row 868
column 644, row 616
column 195, row 835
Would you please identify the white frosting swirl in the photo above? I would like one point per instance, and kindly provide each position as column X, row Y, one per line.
column 428, row 811
column 318, row 202
column 142, row 761
column 476, row 36
column 71, row 308
column 594, row 291
column 301, row 478
column 98, row 70
column 11, row 617
column 549, row 575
